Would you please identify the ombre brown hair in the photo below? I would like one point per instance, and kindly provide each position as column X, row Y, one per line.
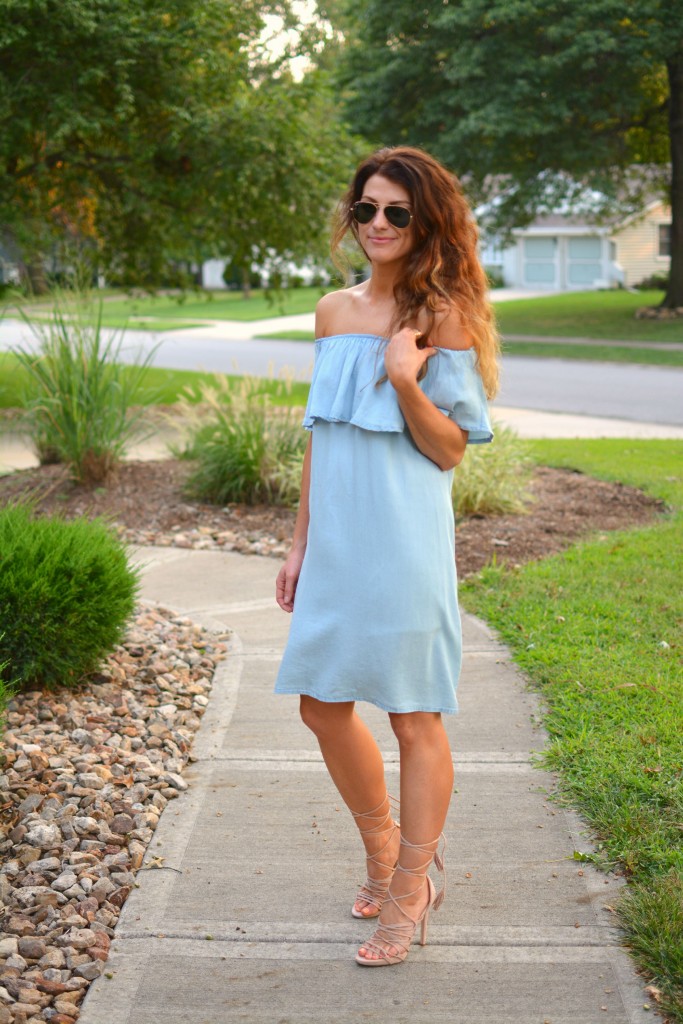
column 442, row 271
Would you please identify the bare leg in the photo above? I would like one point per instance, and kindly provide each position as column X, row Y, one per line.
column 426, row 788
column 355, row 764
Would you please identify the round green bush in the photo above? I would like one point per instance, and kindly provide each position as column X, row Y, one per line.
column 66, row 594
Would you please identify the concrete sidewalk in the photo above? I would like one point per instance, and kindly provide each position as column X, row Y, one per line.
column 249, row 917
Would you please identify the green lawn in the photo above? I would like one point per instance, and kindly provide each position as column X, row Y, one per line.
column 162, row 387
column 289, row 336
column 206, row 306
column 601, row 353
column 598, row 630
column 148, row 323
column 587, row 315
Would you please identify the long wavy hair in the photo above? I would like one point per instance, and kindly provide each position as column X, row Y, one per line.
column 442, row 271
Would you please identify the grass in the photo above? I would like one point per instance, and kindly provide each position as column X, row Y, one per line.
column 288, row 336
column 493, row 479
column 601, row 353
column 162, row 387
column 587, row 315
column 132, row 323
column 598, row 630
column 205, row 305
column 78, row 400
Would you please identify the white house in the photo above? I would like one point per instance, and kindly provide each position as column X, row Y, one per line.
column 564, row 253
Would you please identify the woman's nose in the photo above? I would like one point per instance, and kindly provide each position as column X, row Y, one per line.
column 379, row 220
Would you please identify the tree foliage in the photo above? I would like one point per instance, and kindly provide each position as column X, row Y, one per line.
column 156, row 132
column 534, row 102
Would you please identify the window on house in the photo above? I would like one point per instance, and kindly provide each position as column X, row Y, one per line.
column 664, row 248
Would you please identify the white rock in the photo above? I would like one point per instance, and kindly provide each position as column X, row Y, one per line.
column 82, row 826
column 64, row 881
column 90, row 780
column 177, row 781
column 16, row 961
column 9, row 946
column 44, row 836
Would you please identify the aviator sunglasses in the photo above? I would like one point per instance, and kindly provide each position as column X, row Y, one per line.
column 363, row 212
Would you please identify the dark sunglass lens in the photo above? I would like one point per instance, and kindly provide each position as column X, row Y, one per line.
column 364, row 212
column 398, row 216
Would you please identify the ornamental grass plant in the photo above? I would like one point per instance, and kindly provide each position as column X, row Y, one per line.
column 244, row 445
column 66, row 594
column 78, row 397
column 493, row 479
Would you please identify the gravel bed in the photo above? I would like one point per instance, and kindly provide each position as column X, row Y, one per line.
column 87, row 772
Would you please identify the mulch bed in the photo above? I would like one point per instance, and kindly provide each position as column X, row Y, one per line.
column 147, row 504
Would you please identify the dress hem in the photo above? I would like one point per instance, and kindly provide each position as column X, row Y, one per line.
column 366, row 700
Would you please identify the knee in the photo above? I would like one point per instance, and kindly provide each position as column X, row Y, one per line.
column 414, row 729
column 322, row 718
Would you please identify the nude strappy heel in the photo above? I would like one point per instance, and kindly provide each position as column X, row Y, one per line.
column 399, row 936
column 374, row 890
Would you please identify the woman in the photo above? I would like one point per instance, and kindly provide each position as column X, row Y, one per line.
column 403, row 364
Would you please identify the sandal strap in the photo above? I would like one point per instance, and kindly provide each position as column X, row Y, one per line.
column 381, row 819
column 400, row 934
column 433, row 856
column 374, row 890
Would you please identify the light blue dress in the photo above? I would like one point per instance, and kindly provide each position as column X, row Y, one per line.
column 376, row 609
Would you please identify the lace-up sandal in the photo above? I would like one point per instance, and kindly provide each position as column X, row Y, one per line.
column 374, row 890
column 390, row 942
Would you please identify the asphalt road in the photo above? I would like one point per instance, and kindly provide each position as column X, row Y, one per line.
column 648, row 394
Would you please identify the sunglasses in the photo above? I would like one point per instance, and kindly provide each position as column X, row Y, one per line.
column 364, row 212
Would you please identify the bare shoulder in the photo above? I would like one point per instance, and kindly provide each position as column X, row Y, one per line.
column 330, row 310
column 448, row 330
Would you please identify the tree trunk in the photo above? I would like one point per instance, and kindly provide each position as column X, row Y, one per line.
column 34, row 277
column 674, row 294
column 246, row 283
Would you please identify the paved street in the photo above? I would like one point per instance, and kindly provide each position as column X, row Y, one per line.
column 647, row 394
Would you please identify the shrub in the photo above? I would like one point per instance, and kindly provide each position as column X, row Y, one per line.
column 245, row 448
column 66, row 593
column 655, row 282
column 78, row 404
column 493, row 479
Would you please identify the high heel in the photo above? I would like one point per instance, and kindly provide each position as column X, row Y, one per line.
column 374, row 890
column 399, row 936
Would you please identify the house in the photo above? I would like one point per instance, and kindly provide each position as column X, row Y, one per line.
column 564, row 253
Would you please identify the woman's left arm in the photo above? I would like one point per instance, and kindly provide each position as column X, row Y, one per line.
column 437, row 436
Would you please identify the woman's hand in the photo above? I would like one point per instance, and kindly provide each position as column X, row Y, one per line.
column 403, row 359
column 287, row 579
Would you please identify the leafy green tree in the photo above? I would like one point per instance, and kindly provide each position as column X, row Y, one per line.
column 530, row 101
column 146, row 134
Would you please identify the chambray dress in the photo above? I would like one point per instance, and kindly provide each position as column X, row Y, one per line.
column 375, row 613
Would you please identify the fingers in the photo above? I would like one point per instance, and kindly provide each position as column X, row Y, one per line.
column 285, row 586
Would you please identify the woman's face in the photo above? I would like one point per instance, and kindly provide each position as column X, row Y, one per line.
column 383, row 242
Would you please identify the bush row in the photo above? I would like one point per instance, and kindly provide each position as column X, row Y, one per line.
column 245, row 447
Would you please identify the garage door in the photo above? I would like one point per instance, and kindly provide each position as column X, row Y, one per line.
column 584, row 266
column 540, row 262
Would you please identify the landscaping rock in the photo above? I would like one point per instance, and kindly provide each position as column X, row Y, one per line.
column 87, row 773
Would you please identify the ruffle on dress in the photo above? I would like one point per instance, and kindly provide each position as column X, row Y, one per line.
column 344, row 390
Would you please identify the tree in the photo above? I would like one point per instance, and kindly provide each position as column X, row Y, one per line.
column 146, row 134
column 530, row 101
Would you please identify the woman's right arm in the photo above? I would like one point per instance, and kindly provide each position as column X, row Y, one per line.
column 288, row 576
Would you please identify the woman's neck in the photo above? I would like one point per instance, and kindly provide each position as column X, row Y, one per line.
column 382, row 281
